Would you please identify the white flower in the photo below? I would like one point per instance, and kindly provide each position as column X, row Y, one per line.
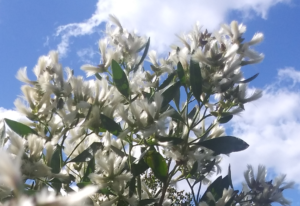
column 111, row 171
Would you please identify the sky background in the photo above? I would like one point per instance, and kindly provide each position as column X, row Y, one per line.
column 271, row 125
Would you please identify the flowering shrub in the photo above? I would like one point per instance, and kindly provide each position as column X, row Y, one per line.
column 128, row 136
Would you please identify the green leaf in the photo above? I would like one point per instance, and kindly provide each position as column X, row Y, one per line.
column 169, row 94
column 193, row 112
column 56, row 184
column 122, row 202
column 132, row 186
column 83, row 184
column 2, row 133
column 120, row 79
column 180, row 73
column 117, row 151
column 224, row 144
column 98, row 76
column 90, row 169
column 229, row 177
column 110, row 125
column 174, row 140
column 139, row 168
column 216, row 188
column 167, row 81
column 143, row 56
column 146, row 202
column 194, row 168
column 196, row 79
column 56, row 160
column 225, row 119
column 88, row 154
column 177, row 99
column 19, row 128
column 249, row 79
column 158, row 164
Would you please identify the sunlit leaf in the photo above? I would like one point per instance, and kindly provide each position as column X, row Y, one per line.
column 173, row 140
column 158, row 164
column 120, row 79
column 19, row 128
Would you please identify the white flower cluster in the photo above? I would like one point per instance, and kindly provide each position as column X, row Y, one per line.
column 105, row 137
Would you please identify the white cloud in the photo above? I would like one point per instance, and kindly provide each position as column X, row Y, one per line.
column 161, row 20
column 271, row 126
column 10, row 114
column 85, row 55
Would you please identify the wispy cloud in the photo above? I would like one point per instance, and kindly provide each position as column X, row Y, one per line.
column 86, row 55
column 271, row 126
column 161, row 20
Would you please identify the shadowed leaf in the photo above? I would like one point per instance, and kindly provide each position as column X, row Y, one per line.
column 196, row 79
column 143, row 56
column 88, row 154
column 169, row 94
column 224, row 145
column 249, row 79
column 56, row 160
column 110, row 125
column 167, row 81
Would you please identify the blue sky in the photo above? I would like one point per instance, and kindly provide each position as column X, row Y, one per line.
column 271, row 125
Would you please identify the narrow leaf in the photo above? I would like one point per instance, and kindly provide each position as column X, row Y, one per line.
column 225, row 119
column 98, row 76
column 56, row 184
column 2, row 133
column 146, row 202
column 180, row 73
column 139, row 168
column 169, row 94
column 110, row 125
column 120, row 79
column 19, row 128
column 216, row 188
column 177, row 99
column 143, row 56
column 158, row 165
column 56, row 159
column 90, row 169
column 167, row 81
column 249, row 79
column 196, row 79
column 174, row 140
column 132, row 186
column 88, row 154
column 224, row 144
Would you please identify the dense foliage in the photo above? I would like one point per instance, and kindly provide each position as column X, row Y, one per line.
column 129, row 134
